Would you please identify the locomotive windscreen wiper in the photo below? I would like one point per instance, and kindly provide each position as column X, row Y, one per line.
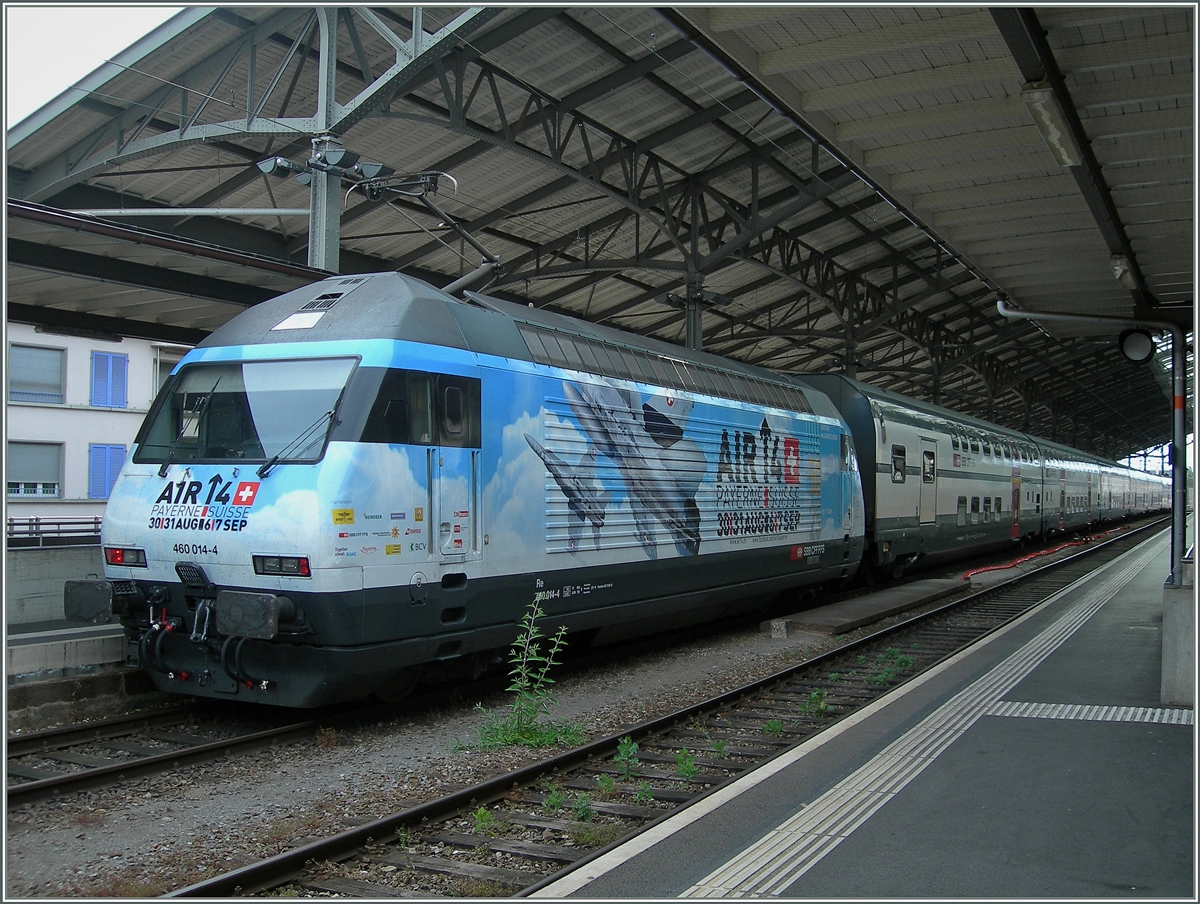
column 303, row 441
column 189, row 425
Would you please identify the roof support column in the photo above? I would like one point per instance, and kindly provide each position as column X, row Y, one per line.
column 325, row 212
column 324, row 205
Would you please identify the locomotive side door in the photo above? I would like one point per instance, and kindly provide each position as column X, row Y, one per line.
column 928, row 481
column 446, row 418
column 454, row 527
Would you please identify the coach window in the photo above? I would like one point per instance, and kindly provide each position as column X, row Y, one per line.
column 974, row 445
column 962, row 511
column 899, row 462
column 928, row 471
column 998, row 509
column 974, row 509
column 954, row 442
column 845, row 452
column 987, row 450
column 987, row 509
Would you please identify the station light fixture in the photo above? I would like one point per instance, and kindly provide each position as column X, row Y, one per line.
column 1048, row 116
column 336, row 161
column 334, row 158
column 1137, row 345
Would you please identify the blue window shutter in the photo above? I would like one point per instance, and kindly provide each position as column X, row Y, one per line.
column 97, row 471
column 116, row 458
column 99, row 378
column 109, row 379
column 104, row 464
column 116, row 394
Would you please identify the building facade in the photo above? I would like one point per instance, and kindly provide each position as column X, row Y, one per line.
column 74, row 406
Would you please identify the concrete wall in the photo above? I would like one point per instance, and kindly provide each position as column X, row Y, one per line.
column 33, row 580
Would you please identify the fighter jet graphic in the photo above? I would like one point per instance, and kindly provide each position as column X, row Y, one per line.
column 614, row 424
column 586, row 500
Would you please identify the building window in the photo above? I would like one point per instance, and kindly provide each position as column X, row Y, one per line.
column 108, row 379
column 35, row 374
column 104, row 463
column 34, row 470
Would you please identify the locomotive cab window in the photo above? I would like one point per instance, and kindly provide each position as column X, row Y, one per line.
column 899, row 462
column 416, row 408
column 279, row 410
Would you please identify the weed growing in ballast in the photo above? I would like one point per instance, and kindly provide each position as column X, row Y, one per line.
column 530, row 688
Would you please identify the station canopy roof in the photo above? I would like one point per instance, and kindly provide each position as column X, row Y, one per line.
column 833, row 189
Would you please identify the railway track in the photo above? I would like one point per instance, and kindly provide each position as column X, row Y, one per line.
column 517, row 832
column 58, row 761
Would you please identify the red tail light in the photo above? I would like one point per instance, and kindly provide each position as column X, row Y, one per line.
column 287, row 566
column 115, row 555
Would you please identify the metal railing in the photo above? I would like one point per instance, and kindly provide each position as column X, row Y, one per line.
column 38, row 532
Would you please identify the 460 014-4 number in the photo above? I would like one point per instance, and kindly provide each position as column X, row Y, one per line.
column 194, row 549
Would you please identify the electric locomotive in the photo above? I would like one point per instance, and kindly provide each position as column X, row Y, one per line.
column 366, row 479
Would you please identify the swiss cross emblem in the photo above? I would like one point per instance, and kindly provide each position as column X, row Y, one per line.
column 245, row 493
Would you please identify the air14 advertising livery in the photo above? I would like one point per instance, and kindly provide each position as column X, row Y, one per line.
column 366, row 480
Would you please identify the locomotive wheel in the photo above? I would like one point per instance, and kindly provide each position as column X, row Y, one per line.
column 399, row 685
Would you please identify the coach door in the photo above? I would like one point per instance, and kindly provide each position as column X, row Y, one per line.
column 928, row 481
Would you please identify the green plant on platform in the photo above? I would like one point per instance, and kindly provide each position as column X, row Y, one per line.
column 626, row 757
column 530, row 688
column 581, row 807
column 685, row 763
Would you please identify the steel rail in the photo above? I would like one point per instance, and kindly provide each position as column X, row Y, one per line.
column 97, row 776
column 70, row 735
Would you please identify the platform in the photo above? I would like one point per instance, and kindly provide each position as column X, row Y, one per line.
column 1036, row 764
column 60, row 647
column 846, row 615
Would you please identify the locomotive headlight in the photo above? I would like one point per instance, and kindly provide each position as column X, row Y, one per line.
column 288, row 566
column 116, row 555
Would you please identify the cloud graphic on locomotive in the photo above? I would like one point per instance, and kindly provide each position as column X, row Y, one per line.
column 515, row 493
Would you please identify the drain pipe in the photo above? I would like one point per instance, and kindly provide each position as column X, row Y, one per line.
column 1178, row 402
